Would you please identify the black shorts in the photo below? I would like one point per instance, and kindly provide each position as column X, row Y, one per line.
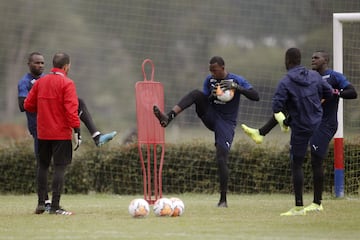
column 59, row 150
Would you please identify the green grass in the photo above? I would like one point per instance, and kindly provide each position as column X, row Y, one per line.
column 100, row 216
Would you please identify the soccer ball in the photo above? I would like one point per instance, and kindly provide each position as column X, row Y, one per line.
column 163, row 207
column 139, row 208
column 178, row 205
column 224, row 96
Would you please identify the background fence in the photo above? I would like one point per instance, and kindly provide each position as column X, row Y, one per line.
column 108, row 40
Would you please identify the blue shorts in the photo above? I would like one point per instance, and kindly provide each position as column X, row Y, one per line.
column 299, row 143
column 224, row 130
column 321, row 138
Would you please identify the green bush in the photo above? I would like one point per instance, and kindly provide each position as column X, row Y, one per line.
column 188, row 167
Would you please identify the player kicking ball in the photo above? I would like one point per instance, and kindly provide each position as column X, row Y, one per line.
column 218, row 113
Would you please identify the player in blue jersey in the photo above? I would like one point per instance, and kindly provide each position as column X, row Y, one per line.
column 36, row 64
column 329, row 123
column 218, row 116
column 300, row 93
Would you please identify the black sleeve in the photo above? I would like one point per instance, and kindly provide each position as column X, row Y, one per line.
column 21, row 103
column 348, row 92
column 250, row 94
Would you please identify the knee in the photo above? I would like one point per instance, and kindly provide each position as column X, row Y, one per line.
column 221, row 154
column 316, row 160
column 297, row 162
column 196, row 93
column 81, row 102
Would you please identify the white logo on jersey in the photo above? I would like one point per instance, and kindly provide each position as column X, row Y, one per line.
column 212, row 80
column 326, row 77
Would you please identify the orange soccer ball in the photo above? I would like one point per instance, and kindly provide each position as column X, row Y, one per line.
column 224, row 95
column 179, row 206
column 139, row 208
column 163, row 207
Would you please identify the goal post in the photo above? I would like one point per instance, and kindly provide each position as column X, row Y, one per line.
column 338, row 20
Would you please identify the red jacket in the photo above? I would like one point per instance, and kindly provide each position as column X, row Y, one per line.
column 54, row 99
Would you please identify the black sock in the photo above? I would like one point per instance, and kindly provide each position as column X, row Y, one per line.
column 270, row 124
column 171, row 115
column 318, row 177
column 223, row 196
column 298, row 179
column 96, row 139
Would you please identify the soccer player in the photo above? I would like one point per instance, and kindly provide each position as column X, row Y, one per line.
column 36, row 64
column 54, row 99
column 300, row 93
column 329, row 123
column 218, row 116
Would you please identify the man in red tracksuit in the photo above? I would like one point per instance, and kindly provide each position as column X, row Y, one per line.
column 54, row 99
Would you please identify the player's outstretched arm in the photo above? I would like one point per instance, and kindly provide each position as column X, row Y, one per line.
column 348, row 92
column 250, row 94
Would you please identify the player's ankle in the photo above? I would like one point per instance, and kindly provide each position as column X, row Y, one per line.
column 171, row 115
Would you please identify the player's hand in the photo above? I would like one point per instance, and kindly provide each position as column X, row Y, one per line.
column 280, row 118
column 77, row 138
column 213, row 92
column 336, row 92
column 212, row 95
column 227, row 85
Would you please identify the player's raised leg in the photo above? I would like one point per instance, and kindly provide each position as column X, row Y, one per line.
column 165, row 119
column 98, row 137
column 253, row 133
column 258, row 134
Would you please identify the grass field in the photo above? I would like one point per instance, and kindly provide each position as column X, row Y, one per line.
column 99, row 216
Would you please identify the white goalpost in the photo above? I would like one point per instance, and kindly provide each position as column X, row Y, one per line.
column 338, row 20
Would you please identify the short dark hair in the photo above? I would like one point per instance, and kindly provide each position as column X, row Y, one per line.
column 293, row 56
column 325, row 55
column 217, row 59
column 33, row 54
column 60, row 60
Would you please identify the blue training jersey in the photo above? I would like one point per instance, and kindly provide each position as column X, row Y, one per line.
column 227, row 110
column 24, row 86
column 299, row 93
column 330, row 106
